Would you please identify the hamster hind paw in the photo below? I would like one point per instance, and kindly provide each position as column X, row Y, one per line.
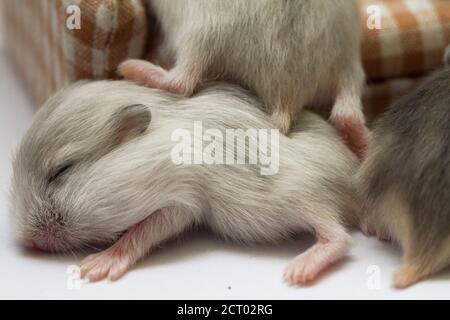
column 146, row 74
column 111, row 263
column 143, row 73
column 306, row 267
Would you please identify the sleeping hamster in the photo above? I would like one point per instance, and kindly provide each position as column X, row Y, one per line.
column 103, row 163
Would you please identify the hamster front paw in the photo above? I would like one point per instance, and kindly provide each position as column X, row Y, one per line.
column 111, row 263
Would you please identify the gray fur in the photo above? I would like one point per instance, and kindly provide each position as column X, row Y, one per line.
column 110, row 187
column 410, row 157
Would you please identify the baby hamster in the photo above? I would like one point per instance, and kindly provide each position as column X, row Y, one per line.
column 405, row 180
column 97, row 167
column 291, row 53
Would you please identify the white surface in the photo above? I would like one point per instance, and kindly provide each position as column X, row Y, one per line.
column 194, row 267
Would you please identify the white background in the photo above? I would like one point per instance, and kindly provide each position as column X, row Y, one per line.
column 194, row 267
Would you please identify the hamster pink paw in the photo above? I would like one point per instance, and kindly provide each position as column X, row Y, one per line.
column 143, row 73
column 306, row 267
column 111, row 263
column 301, row 271
column 147, row 74
column 353, row 132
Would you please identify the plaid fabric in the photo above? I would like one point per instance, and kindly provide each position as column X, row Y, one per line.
column 412, row 38
column 48, row 55
column 378, row 96
column 410, row 43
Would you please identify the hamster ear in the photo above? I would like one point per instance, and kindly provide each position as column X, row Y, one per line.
column 130, row 122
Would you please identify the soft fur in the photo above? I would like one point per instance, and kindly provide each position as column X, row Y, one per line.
column 293, row 54
column 405, row 180
column 96, row 162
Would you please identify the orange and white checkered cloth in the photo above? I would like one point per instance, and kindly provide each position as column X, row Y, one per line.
column 409, row 44
column 48, row 54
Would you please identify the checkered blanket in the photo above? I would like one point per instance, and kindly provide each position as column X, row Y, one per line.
column 410, row 44
column 403, row 40
column 49, row 50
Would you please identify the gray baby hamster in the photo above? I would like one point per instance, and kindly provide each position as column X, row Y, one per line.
column 405, row 180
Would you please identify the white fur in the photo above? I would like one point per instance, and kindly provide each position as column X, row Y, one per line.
column 293, row 54
column 109, row 191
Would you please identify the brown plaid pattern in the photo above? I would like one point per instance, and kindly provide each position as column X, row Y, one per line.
column 48, row 55
column 411, row 41
column 409, row 44
column 378, row 96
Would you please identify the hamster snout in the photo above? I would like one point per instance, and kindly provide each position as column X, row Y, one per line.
column 55, row 171
column 96, row 167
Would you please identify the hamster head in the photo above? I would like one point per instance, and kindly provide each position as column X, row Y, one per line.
column 59, row 156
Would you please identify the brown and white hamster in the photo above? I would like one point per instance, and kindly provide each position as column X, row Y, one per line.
column 405, row 180
column 96, row 167
column 293, row 54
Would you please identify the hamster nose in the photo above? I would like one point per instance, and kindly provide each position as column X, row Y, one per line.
column 29, row 243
